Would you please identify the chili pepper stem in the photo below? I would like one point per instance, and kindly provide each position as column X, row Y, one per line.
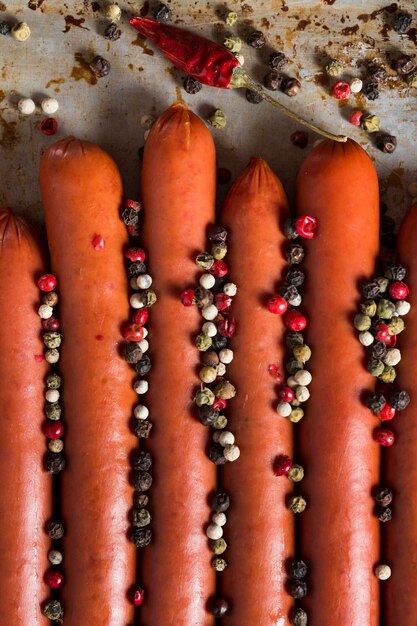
column 242, row 79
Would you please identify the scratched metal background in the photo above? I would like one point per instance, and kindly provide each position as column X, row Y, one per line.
column 65, row 36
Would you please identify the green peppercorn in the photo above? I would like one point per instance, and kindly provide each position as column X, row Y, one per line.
column 396, row 326
column 203, row 342
column 220, row 423
column 383, row 283
column 53, row 411
column 54, row 611
column 53, row 381
column 388, row 375
column 296, row 473
column 203, row 396
column 334, row 68
column 234, row 44
column 297, row 504
column 362, row 322
column 302, row 353
column 217, row 119
column 371, row 123
column 149, row 297
column 368, row 308
column 296, row 415
column 385, row 309
column 293, row 365
column 375, row 367
column 52, row 339
column 218, row 546
column 294, row 339
column 219, row 250
column 225, row 390
column 141, row 518
column 219, row 564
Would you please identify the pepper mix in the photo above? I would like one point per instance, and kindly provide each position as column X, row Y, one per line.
column 53, row 430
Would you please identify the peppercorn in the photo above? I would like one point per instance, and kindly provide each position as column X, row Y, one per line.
column 383, row 513
column 51, row 298
column 273, row 80
column 377, row 350
column 362, row 322
column 370, row 290
column 383, row 283
column 218, row 546
column 56, row 445
column 377, row 71
column 277, row 60
column 298, row 589
column 140, row 499
column 395, row 272
column 143, row 366
column 112, row 32
column 231, row 18
column 142, row 481
column 295, row 277
column 100, row 66
column 334, row 68
column 54, row 463
column 136, row 269
column 383, row 496
column 141, row 537
column 296, row 473
column 369, row 307
column 399, row 400
column 219, row 250
column 371, row 90
column 291, row 87
column 293, row 365
column 55, row 530
column 383, row 572
column 219, row 607
column 141, row 461
column 388, row 375
column 297, row 569
column 219, row 564
column 288, row 292
column 294, row 253
column 297, row 504
column 253, row 97
column 225, row 390
column 53, row 411
column 216, row 234
column 404, row 64
column 411, row 79
column 53, row 381
column 220, row 502
column 296, row 415
column 371, row 123
column 52, row 339
column 132, row 353
column 141, row 518
column 219, row 342
column 396, row 326
column 233, row 43
column 163, row 13
column 401, row 22
column 207, row 415
column 375, row 367
column 55, row 557
column 386, row 143
column 299, row 138
column 54, row 611
column 217, row 119
column 130, row 216
column 302, row 353
column 5, row 28
column 142, row 428
column 375, row 402
column 294, row 339
column 216, row 454
column 256, row 39
column 192, row 85
column 298, row 617
column 21, row 31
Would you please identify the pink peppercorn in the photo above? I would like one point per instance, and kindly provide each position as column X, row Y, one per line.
column 50, row 324
column 341, row 90
column 98, row 243
column 382, row 333
column 274, row 371
column 47, row 282
column 222, row 301
column 138, row 596
column 355, row 117
column 219, row 268
column 294, row 320
column 53, row 430
column 277, row 305
column 187, row 297
column 386, row 413
column 54, row 579
column 133, row 332
column 227, row 328
column 398, row 290
column 135, row 254
column 141, row 317
column 384, row 437
column 282, row 465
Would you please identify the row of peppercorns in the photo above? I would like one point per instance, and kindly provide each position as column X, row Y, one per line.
column 134, row 350
column 219, row 504
column 53, row 428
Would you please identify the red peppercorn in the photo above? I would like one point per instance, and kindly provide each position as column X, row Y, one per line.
column 277, row 305
column 139, row 596
column 219, row 268
column 273, row 369
column 133, row 332
column 382, row 333
column 187, row 297
column 223, row 175
column 47, row 282
column 135, row 254
column 133, row 230
column 49, row 126
column 391, row 341
column 387, row 413
column 286, row 394
column 306, row 226
column 98, row 242
column 294, row 320
column 54, row 579
column 53, row 430
column 227, row 328
column 219, row 404
column 341, row 90
column 222, row 301
column 355, row 117
column 50, row 324
column 282, row 465
column 398, row 290
column 133, row 204
column 384, row 437
column 141, row 317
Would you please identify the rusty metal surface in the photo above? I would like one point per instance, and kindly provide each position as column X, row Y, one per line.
column 65, row 37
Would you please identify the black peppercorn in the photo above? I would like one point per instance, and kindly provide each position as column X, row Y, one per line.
column 216, row 454
column 142, row 481
column 54, row 611
column 399, row 400
column 256, row 39
column 289, row 228
column 294, row 253
column 219, row 607
column 383, row 496
column 386, row 143
column 277, row 60
column 291, row 87
column 295, row 277
column 207, row 415
column 220, row 502
column 383, row 513
column 401, row 22
column 371, row 90
column 141, row 537
column 141, row 518
column 370, row 290
column 219, row 342
column 217, row 234
column 404, row 65
column 294, row 339
column 395, row 272
column 143, row 366
column 377, row 350
column 219, row 284
column 130, row 217
column 375, row 402
column 298, row 617
column 377, row 71
column 142, row 428
column 297, row 569
column 5, row 28
column 55, row 530
column 141, row 461
column 298, row 589
column 140, row 499
column 192, row 85
column 136, row 268
column 100, row 66
column 112, row 32
column 163, row 13
column 273, row 80
column 288, row 292
column 253, row 97
column 54, row 463
column 203, row 297
column 132, row 353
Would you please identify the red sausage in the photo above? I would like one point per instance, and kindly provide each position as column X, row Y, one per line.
column 82, row 192
column 260, row 528
column 178, row 188
column 400, row 533
column 26, row 491
column 338, row 185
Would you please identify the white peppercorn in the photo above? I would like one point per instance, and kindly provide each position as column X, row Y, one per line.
column 144, row 345
column 226, row 355
column 141, row 412
column 402, row 307
column 231, row 453
column 284, row 409
column 56, row 445
column 302, row 393
column 366, row 338
column 141, row 386
column 221, row 369
column 219, row 518
column 136, row 301
column 209, row 329
column 52, row 356
column 210, row 312
column 214, row 531
column 49, row 106
column 144, row 281
column 45, row 311
column 21, row 31
column 26, row 106
column 226, row 438
column 392, row 357
column 52, row 395
column 303, row 377
column 207, row 281
column 383, row 572
column 230, row 289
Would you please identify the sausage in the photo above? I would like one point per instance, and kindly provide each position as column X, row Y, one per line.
column 81, row 191
column 178, row 193
column 26, row 493
column 260, row 528
column 339, row 534
column 400, row 534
